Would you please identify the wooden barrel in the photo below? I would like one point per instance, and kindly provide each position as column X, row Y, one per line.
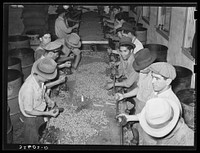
column 10, row 135
column 182, row 80
column 9, row 124
column 187, row 98
column 14, row 63
column 14, row 85
column 27, row 59
column 141, row 34
column 34, row 36
column 18, row 41
column 161, row 51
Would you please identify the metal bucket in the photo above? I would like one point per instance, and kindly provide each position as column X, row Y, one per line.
column 182, row 80
column 187, row 98
column 14, row 63
column 161, row 51
column 14, row 85
column 18, row 41
column 27, row 59
column 141, row 34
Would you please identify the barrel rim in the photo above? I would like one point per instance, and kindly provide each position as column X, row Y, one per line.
column 16, row 38
column 14, row 77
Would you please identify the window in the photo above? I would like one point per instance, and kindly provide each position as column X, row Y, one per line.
column 163, row 21
column 146, row 14
column 190, row 29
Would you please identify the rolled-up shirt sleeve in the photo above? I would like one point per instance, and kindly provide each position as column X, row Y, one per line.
column 133, row 77
column 28, row 100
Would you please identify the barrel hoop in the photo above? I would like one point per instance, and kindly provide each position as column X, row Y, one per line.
column 27, row 66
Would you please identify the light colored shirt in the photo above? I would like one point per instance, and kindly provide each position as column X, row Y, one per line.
column 31, row 96
column 169, row 94
column 62, row 28
column 145, row 88
column 125, row 68
column 138, row 45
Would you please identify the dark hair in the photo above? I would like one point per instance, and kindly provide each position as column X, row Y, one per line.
column 121, row 16
column 116, row 7
column 132, row 32
column 43, row 32
column 129, row 47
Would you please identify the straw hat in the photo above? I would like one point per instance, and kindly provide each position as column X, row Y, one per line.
column 73, row 40
column 53, row 47
column 159, row 116
column 144, row 58
column 46, row 67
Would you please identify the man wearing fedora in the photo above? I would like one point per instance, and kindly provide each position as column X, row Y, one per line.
column 125, row 67
column 128, row 31
column 32, row 99
column 71, row 44
column 62, row 28
column 162, row 124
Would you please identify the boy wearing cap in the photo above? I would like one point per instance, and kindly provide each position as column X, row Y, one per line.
column 62, row 28
column 128, row 31
column 162, row 124
column 125, row 66
column 32, row 98
column 71, row 44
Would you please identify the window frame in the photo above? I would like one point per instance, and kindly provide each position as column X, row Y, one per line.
column 145, row 18
column 161, row 31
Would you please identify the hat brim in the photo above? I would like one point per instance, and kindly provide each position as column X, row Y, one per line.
column 127, row 43
column 144, row 64
column 76, row 46
column 161, row 132
column 55, row 50
column 44, row 75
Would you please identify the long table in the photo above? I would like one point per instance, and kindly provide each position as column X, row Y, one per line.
column 90, row 29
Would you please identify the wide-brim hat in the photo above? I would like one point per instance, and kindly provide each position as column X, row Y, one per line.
column 46, row 67
column 73, row 40
column 144, row 58
column 167, row 126
column 53, row 47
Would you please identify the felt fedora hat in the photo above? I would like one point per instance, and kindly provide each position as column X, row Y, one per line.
column 73, row 40
column 126, row 41
column 159, row 116
column 46, row 67
column 144, row 58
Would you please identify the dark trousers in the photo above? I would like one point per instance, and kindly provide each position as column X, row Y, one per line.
column 31, row 126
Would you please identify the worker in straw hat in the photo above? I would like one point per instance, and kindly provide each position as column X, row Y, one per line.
column 162, row 124
column 32, row 98
column 71, row 45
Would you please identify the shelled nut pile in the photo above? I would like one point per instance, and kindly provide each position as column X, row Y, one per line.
column 78, row 127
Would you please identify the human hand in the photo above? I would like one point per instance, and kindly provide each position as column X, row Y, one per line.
column 109, row 85
column 109, row 50
column 122, row 116
column 68, row 64
column 119, row 96
column 54, row 112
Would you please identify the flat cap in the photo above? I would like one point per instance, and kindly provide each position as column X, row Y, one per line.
column 163, row 68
